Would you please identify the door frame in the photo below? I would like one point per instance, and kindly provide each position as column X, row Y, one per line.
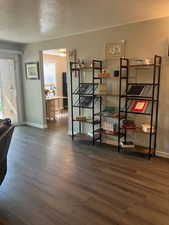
column 41, row 62
column 17, row 57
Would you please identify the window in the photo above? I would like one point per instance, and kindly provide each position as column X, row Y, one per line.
column 50, row 74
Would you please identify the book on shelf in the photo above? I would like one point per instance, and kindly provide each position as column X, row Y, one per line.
column 135, row 90
column 139, row 106
column 127, row 144
column 129, row 124
column 110, row 111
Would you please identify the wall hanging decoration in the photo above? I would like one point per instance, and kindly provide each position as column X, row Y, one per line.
column 72, row 55
column 32, row 70
column 115, row 49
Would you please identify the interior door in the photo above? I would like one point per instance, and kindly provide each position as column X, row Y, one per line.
column 8, row 103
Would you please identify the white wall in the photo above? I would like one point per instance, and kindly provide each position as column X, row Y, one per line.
column 143, row 39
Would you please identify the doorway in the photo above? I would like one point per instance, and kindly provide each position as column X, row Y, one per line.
column 55, row 87
column 8, row 95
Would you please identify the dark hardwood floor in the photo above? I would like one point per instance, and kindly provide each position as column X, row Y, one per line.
column 52, row 181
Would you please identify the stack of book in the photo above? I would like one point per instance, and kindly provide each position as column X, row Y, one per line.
column 81, row 118
column 129, row 124
column 110, row 111
column 127, row 144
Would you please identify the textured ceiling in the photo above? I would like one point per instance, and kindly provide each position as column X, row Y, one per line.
column 36, row 20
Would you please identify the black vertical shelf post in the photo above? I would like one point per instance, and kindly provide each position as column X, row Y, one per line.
column 97, row 66
column 71, row 89
column 124, row 72
column 157, row 68
column 93, row 99
column 101, row 69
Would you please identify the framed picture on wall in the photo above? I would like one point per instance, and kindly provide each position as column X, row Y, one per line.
column 32, row 70
column 115, row 49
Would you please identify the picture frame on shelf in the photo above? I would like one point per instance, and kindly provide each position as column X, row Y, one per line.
column 32, row 70
column 115, row 50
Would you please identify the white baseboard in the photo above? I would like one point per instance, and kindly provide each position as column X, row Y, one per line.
column 70, row 132
column 37, row 125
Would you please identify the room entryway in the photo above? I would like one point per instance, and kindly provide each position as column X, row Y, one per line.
column 55, row 86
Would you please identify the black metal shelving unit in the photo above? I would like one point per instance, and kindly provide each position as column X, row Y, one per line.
column 76, row 71
column 124, row 99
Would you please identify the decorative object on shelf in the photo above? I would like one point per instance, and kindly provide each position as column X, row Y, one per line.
column 139, row 106
column 115, row 49
column 32, row 70
column 101, row 89
column 135, row 90
column 129, row 124
column 116, row 73
column 104, row 74
column 147, row 128
column 127, row 144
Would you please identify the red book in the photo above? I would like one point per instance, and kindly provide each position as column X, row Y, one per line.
column 139, row 106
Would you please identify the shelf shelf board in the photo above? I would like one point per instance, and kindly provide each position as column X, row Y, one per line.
column 139, row 149
column 137, row 130
column 83, row 107
column 138, row 113
column 110, row 77
column 116, row 116
column 107, row 132
column 89, row 83
column 75, row 69
column 88, row 121
column 144, row 65
column 132, row 83
column 141, row 65
column 107, row 95
column 97, row 78
column 138, row 97
column 83, row 94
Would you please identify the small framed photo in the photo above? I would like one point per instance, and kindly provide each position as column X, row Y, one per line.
column 115, row 50
column 32, row 70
